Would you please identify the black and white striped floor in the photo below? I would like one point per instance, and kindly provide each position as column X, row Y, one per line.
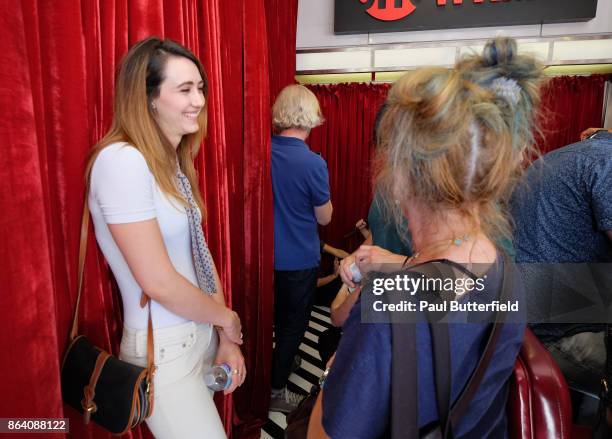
column 309, row 372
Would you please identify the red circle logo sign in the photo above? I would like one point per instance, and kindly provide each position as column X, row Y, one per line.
column 390, row 10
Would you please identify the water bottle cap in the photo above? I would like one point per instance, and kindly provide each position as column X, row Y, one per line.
column 209, row 380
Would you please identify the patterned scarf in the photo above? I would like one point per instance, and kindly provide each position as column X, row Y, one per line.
column 202, row 258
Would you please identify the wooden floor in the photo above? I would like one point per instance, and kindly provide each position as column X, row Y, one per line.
column 309, row 372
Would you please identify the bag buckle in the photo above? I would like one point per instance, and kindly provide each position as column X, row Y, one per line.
column 89, row 406
column 88, row 409
column 150, row 376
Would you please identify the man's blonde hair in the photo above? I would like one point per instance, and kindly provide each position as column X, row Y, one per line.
column 296, row 107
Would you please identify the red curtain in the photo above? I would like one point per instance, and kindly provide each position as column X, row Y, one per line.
column 345, row 141
column 281, row 19
column 570, row 105
column 57, row 102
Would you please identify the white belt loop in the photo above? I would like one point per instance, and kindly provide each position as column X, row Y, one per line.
column 141, row 343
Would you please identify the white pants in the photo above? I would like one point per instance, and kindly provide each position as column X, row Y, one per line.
column 184, row 407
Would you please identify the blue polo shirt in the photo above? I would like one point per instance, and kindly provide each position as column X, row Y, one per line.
column 300, row 182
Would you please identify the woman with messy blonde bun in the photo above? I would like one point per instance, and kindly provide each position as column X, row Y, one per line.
column 450, row 148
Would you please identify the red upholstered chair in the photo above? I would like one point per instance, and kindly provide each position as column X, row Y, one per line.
column 539, row 405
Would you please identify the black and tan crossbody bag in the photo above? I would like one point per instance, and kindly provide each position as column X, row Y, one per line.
column 112, row 393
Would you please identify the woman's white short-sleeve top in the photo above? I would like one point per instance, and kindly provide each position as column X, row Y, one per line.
column 123, row 190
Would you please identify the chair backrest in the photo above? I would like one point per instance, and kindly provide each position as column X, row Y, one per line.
column 539, row 405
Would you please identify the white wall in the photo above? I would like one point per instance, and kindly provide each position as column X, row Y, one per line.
column 315, row 29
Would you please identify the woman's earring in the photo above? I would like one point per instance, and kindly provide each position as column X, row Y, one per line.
column 153, row 108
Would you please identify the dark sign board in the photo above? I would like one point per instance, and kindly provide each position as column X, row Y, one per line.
column 364, row 16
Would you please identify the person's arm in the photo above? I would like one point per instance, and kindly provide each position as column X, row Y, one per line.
column 315, row 424
column 320, row 197
column 142, row 246
column 322, row 281
column 228, row 352
column 590, row 131
column 609, row 233
column 340, row 254
column 324, row 213
column 342, row 305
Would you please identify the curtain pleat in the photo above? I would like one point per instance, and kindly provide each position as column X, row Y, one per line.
column 281, row 22
column 27, row 303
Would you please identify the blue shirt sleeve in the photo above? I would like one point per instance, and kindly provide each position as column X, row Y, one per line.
column 318, row 182
column 601, row 195
column 356, row 394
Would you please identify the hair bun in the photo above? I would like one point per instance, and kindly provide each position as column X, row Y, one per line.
column 499, row 51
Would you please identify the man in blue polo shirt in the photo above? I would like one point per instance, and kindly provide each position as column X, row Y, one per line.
column 300, row 186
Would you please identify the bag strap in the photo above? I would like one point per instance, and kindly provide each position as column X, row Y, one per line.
column 441, row 350
column 144, row 300
column 87, row 403
column 608, row 374
column 606, row 381
column 404, row 405
column 404, row 408
column 81, row 267
column 472, row 386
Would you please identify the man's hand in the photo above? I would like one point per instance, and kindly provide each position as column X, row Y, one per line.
column 590, row 131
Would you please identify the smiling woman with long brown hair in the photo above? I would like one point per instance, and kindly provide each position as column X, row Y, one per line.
column 147, row 212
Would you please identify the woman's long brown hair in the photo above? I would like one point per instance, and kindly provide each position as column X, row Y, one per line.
column 139, row 80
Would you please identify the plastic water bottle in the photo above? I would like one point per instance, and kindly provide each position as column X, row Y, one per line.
column 219, row 377
column 356, row 275
column 355, row 272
